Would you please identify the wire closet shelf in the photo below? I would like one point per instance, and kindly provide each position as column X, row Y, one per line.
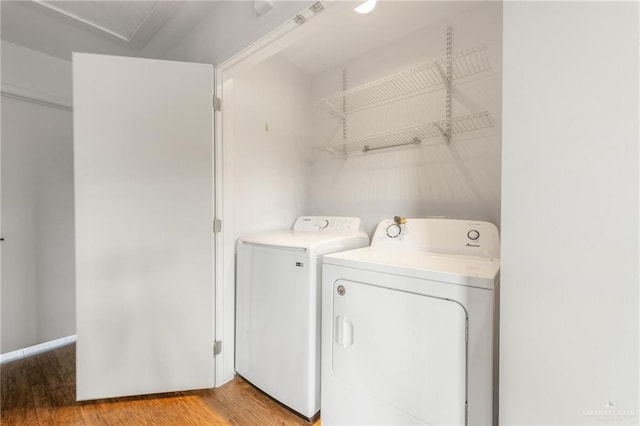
column 421, row 78
column 413, row 135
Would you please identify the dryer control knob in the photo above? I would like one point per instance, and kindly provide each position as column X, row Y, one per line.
column 323, row 223
column 473, row 235
column 393, row 230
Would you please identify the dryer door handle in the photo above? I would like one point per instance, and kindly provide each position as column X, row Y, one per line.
column 344, row 331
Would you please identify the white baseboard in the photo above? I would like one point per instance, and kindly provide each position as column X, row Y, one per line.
column 36, row 349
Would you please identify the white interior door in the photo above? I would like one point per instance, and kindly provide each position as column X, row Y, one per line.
column 143, row 211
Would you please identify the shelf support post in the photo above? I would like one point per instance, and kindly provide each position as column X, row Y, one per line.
column 344, row 111
column 448, row 77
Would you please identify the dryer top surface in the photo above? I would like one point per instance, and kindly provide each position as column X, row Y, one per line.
column 453, row 251
column 472, row 271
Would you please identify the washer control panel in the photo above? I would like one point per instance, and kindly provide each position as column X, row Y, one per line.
column 336, row 224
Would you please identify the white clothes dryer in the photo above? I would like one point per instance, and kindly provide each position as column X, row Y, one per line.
column 278, row 306
column 408, row 326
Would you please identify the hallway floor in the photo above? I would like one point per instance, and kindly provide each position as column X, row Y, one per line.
column 40, row 390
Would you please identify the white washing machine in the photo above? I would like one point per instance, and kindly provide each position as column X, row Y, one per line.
column 408, row 326
column 278, row 306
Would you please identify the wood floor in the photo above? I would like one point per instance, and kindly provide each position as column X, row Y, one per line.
column 40, row 390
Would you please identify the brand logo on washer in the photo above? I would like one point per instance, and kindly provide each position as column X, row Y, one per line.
column 473, row 245
column 300, row 264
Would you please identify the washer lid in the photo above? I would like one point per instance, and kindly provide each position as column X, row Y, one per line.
column 454, row 269
column 325, row 242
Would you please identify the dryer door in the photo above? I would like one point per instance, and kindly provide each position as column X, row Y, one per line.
column 402, row 349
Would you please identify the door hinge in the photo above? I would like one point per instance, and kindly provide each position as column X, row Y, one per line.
column 217, row 103
column 217, row 225
column 217, row 347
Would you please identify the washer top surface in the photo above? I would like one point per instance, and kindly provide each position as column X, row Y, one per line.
column 446, row 250
column 314, row 233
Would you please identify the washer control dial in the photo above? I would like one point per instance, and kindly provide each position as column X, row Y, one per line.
column 473, row 235
column 323, row 224
column 393, row 230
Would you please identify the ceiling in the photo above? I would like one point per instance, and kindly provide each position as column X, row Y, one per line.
column 150, row 28
column 339, row 34
column 132, row 22
column 140, row 28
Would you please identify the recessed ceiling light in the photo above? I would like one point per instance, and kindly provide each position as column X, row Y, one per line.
column 366, row 7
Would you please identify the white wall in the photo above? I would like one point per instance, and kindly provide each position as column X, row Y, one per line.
column 37, row 200
column 36, row 75
column 569, row 309
column 461, row 180
column 269, row 122
column 264, row 123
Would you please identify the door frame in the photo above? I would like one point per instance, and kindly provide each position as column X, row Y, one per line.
column 224, row 207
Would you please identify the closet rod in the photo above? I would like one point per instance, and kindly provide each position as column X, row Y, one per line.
column 415, row 141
